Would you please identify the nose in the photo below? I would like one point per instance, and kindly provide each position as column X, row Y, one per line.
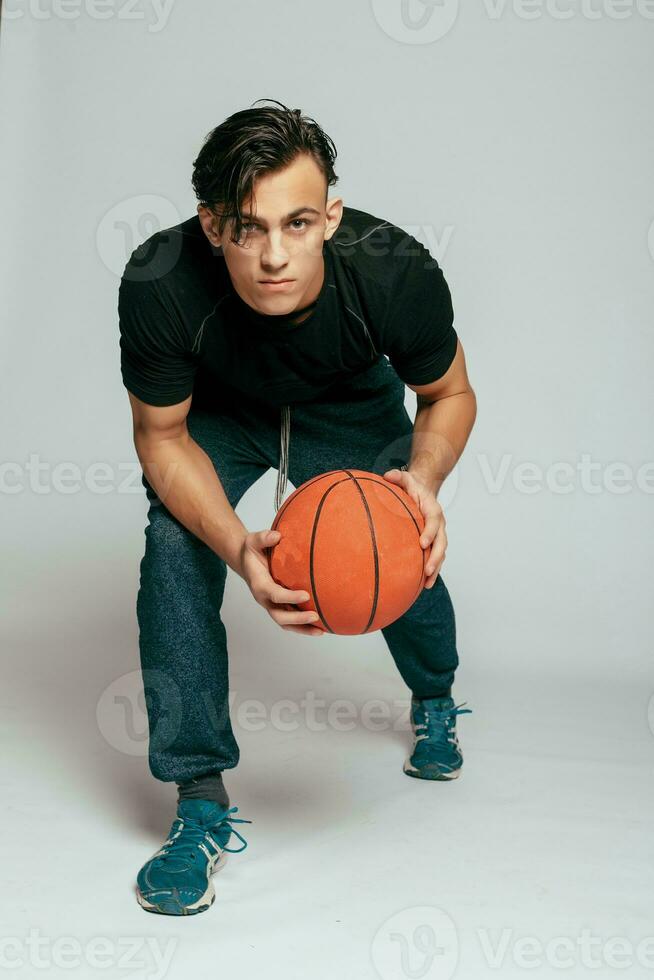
column 273, row 255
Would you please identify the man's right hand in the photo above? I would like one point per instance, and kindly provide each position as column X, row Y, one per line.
column 277, row 600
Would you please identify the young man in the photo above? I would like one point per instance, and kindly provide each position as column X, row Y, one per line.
column 254, row 335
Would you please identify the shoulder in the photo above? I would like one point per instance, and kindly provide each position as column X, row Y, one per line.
column 358, row 226
column 372, row 245
column 169, row 258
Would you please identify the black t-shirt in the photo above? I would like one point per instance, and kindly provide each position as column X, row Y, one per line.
column 184, row 329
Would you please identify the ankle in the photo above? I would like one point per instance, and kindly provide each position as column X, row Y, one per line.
column 208, row 786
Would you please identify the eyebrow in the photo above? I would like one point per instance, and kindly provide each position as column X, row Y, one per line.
column 289, row 217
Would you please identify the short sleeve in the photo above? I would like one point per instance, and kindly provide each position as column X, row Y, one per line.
column 419, row 333
column 155, row 362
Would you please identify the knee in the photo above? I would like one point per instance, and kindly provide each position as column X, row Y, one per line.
column 169, row 541
column 436, row 598
column 165, row 531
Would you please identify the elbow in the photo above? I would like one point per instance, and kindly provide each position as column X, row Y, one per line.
column 473, row 400
column 473, row 406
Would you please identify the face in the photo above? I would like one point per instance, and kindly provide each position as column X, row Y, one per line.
column 278, row 265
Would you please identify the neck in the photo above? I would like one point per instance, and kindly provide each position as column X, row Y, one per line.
column 312, row 294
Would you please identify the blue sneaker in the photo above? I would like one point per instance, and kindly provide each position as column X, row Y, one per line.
column 177, row 879
column 436, row 752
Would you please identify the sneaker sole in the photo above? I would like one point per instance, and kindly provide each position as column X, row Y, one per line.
column 170, row 902
column 441, row 777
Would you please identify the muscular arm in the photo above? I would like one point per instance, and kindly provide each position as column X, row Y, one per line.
column 184, row 478
column 445, row 415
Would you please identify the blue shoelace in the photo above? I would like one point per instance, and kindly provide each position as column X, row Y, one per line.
column 194, row 833
column 442, row 722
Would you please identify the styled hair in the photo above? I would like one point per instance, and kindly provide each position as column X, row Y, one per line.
column 247, row 145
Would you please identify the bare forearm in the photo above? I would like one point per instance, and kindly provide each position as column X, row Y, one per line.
column 185, row 480
column 440, row 432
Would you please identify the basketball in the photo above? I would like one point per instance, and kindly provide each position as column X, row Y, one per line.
column 351, row 540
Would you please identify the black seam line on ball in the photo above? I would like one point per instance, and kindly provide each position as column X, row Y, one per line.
column 314, row 531
column 387, row 486
column 371, row 527
column 415, row 523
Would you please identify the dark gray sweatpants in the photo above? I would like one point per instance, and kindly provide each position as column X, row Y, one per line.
column 363, row 424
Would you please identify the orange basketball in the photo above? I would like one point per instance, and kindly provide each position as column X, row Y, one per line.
column 351, row 540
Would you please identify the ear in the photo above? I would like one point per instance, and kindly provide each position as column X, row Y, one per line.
column 334, row 211
column 209, row 223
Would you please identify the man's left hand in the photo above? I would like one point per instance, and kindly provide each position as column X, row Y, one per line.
column 433, row 534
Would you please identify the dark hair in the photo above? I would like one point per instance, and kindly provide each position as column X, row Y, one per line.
column 248, row 144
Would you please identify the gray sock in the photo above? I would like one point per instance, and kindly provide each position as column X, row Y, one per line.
column 208, row 786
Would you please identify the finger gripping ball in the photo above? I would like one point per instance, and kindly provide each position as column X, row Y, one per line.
column 350, row 539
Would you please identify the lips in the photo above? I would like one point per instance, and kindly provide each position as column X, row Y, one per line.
column 275, row 282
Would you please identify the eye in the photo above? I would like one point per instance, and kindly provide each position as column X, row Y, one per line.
column 303, row 221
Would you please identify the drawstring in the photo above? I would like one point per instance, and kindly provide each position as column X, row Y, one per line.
column 285, row 433
column 282, row 472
